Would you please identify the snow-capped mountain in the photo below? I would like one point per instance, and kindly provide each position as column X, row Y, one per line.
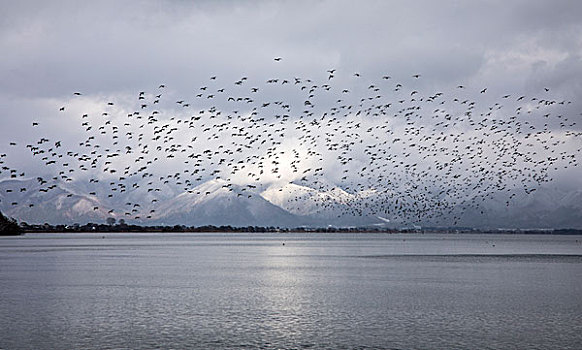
column 303, row 200
column 333, row 207
column 218, row 203
column 32, row 202
column 544, row 208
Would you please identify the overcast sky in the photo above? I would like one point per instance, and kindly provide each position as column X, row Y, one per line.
column 52, row 48
column 112, row 49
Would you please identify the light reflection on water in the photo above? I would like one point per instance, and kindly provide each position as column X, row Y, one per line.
column 223, row 291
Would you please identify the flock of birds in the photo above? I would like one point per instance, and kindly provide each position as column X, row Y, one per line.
column 362, row 146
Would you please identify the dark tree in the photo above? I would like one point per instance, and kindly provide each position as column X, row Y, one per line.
column 9, row 227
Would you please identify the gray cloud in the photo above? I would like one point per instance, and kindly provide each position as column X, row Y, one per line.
column 110, row 50
column 51, row 49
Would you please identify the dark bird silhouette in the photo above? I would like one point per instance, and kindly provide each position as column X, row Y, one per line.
column 415, row 154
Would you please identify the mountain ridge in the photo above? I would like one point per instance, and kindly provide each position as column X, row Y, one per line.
column 218, row 202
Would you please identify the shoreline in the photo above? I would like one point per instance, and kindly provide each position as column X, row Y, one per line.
column 102, row 228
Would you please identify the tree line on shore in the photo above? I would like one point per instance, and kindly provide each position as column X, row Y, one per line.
column 9, row 226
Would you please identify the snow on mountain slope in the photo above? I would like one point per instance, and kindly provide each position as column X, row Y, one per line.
column 544, row 208
column 302, row 200
column 333, row 207
column 217, row 203
column 57, row 205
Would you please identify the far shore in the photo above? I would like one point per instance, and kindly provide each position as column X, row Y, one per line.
column 121, row 228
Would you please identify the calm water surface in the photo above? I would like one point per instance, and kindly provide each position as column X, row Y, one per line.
column 319, row 291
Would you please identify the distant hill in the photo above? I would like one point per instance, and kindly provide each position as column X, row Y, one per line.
column 60, row 205
column 215, row 203
column 219, row 203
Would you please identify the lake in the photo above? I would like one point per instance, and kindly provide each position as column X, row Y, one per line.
column 290, row 291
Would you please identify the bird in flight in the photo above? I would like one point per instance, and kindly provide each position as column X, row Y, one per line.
column 398, row 151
